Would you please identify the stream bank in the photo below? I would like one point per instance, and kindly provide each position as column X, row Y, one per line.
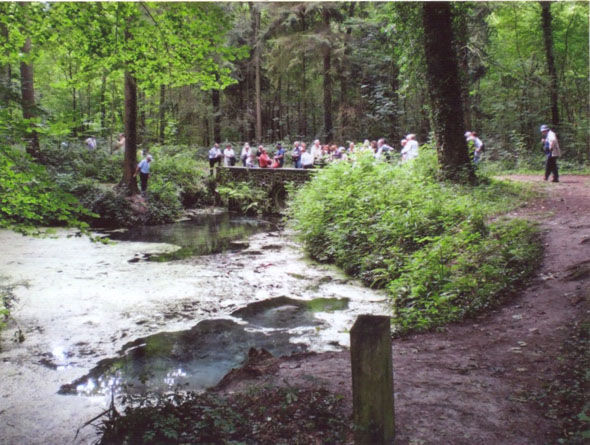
column 80, row 303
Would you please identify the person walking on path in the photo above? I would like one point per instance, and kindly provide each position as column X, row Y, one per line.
column 478, row 145
column 551, row 147
column 143, row 168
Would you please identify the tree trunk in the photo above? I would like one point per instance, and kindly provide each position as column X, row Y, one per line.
column 162, row 115
column 103, row 107
column 216, row 116
column 141, row 106
column 548, row 38
column 6, row 81
column 461, row 41
column 255, row 11
column 130, row 162
column 328, row 130
column 28, row 101
column 343, row 75
column 445, row 92
column 302, row 124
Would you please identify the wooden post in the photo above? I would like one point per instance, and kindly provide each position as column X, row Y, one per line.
column 372, row 380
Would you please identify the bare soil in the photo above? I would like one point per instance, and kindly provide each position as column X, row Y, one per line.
column 485, row 380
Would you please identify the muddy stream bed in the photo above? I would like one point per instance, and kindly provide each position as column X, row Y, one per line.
column 161, row 307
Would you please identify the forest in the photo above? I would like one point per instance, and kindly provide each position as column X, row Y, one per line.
column 442, row 237
column 267, row 72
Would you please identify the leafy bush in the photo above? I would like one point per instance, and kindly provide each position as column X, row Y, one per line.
column 28, row 197
column 268, row 415
column 180, row 167
column 74, row 159
column 245, row 198
column 113, row 208
column 163, row 202
column 425, row 241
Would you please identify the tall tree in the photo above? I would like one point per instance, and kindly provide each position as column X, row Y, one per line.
column 445, row 92
column 28, row 99
column 163, row 44
column 327, row 56
column 255, row 12
column 548, row 39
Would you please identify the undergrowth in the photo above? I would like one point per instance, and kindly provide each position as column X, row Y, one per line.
column 259, row 416
column 29, row 198
column 429, row 243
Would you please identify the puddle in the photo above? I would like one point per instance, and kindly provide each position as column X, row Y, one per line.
column 197, row 358
column 200, row 357
column 203, row 235
column 286, row 313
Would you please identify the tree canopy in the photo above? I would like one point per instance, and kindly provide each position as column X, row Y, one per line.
column 340, row 71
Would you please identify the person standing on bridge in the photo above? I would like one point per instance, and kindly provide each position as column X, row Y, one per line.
column 306, row 158
column 214, row 157
column 296, row 155
column 280, row 156
column 263, row 160
column 245, row 154
column 229, row 156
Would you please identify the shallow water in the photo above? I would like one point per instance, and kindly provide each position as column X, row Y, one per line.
column 85, row 310
column 202, row 235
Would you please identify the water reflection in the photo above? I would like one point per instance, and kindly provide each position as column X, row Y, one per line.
column 197, row 358
column 200, row 357
column 203, row 235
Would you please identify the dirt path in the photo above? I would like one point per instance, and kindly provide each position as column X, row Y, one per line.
column 474, row 383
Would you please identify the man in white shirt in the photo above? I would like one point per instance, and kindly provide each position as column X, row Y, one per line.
column 551, row 147
column 316, row 150
column 410, row 150
column 306, row 158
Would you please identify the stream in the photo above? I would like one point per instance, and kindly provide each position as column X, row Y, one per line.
column 159, row 308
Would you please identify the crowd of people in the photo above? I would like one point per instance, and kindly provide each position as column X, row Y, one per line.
column 321, row 154
column 302, row 156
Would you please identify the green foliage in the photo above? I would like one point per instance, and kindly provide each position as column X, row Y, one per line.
column 178, row 165
column 113, row 208
column 246, row 198
column 164, row 204
column 426, row 242
column 268, row 415
column 76, row 160
column 462, row 273
column 28, row 197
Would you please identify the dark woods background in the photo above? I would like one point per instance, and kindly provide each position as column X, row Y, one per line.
column 264, row 72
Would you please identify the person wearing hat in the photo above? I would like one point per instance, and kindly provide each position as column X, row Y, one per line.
column 551, row 147
column 143, row 168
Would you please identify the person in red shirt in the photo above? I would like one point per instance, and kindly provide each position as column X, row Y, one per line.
column 264, row 160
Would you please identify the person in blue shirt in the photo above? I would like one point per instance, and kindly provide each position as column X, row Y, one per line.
column 280, row 155
column 143, row 168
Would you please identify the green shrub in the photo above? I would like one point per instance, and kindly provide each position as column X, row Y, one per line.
column 113, row 208
column 427, row 242
column 245, row 198
column 77, row 160
column 164, row 205
column 179, row 166
column 29, row 198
